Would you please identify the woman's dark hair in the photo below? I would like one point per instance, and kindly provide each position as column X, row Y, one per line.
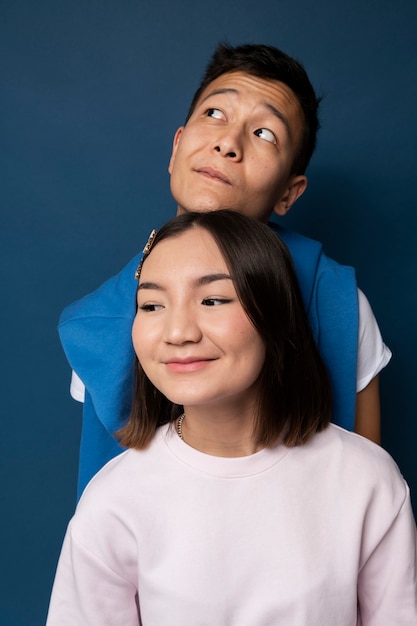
column 295, row 398
column 269, row 63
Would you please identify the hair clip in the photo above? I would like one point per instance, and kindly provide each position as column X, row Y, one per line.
column 145, row 252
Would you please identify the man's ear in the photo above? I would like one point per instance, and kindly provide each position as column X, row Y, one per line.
column 175, row 143
column 295, row 188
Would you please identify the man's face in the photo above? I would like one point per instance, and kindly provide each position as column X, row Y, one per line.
column 237, row 149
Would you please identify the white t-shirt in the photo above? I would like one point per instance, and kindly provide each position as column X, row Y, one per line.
column 316, row 535
column 373, row 354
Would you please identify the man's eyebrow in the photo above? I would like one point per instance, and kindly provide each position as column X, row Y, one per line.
column 271, row 108
column 216, row 92
column 279, row 115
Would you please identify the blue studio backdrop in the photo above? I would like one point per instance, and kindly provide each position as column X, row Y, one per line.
column 91, row 95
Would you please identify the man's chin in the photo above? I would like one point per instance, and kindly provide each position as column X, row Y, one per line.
column 203, row 208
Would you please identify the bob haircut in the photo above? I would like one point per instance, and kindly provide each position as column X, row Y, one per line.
column 269, row 63
column 295, row 398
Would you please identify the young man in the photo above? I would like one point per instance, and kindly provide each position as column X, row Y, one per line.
column 248, row 138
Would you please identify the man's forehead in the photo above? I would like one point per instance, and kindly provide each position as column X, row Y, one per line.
column 235, row 81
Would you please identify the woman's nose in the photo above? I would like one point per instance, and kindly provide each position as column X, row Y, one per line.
column 182, row 327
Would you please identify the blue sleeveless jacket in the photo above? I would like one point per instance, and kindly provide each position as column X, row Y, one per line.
column 96, row 336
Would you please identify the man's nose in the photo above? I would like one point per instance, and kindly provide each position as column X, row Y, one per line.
column 230, row 144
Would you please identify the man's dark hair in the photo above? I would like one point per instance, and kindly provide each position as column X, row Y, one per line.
column 268, row 63
column 294, row 390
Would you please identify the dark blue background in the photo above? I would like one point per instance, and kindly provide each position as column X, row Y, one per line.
column 91, row 94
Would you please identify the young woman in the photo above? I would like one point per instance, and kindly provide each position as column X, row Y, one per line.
column 236, row 503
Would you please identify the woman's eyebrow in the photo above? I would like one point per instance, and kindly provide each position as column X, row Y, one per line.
column 150, row 285
column 211, row 278
column 202, row 280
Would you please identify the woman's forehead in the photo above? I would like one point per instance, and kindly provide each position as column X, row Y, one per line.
column 193, row 250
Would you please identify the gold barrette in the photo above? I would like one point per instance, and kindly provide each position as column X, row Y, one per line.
column 145, row 252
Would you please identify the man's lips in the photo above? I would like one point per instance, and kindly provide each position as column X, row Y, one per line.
column 210, row 172
column 190, row 364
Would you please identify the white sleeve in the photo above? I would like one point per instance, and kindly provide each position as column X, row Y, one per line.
column 88, row 591
column 373, row 354
column 386, row 581
column 77, row 388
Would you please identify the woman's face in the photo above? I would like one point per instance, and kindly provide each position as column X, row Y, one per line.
column 191, row 334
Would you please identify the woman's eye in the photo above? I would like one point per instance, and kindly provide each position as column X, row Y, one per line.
column 215, row 301
column 216, row 113
column 150, row 307
column 267, row 135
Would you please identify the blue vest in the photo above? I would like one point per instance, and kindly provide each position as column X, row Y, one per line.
column 96, row 336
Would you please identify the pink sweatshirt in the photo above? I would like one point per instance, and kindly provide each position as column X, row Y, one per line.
column 318, row 535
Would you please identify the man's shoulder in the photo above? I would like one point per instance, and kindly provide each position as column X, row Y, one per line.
column 303, row 248
column 114, row 298
column 316, row 272
column 300, row 246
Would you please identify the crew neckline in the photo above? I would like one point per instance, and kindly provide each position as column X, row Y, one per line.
column 224, row 467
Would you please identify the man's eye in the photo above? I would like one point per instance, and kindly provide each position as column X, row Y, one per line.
column 215, row 301
column 216, row 113
column 267, row 135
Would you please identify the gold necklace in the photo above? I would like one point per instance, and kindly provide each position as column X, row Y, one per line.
column 179, row 426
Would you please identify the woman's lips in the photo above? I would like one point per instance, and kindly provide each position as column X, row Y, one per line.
column 188, row 365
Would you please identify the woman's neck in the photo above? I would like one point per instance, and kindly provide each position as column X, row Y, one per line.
column 224, row 434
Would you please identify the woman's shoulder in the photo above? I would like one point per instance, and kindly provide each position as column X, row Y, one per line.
column 354, row 445
column 130, row 471
column 365, row 463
